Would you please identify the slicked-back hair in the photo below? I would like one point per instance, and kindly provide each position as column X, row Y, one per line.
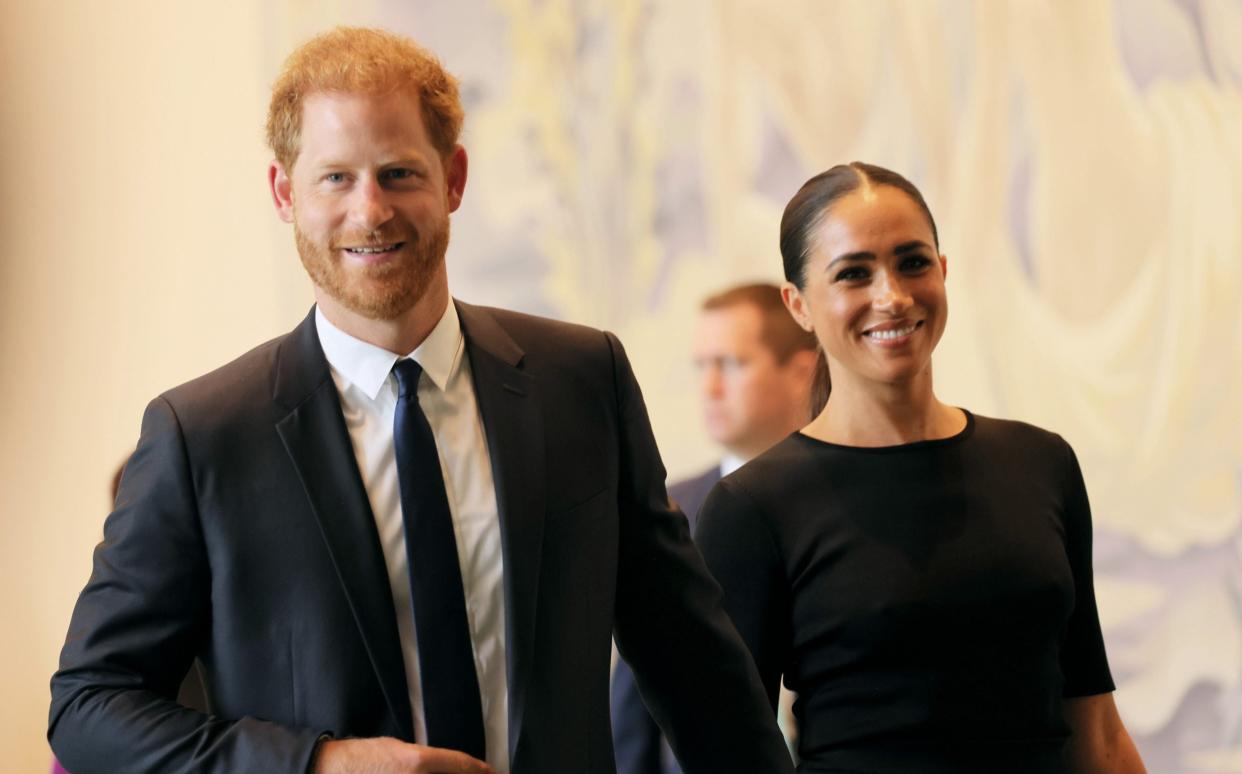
column 356, row 60
column 806, row 210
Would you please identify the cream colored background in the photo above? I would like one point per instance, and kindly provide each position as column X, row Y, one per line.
column 1084, row 160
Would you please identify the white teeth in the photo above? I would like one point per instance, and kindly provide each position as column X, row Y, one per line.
column 895, row 333
column 370, row 250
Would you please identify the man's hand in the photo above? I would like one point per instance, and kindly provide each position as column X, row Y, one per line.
column 385, row 755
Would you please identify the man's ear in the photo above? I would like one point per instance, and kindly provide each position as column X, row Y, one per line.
column 944, row 266
column 282, row 190
column 796, row 305
column 455, row 168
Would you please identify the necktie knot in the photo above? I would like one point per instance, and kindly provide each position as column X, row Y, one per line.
column 407, row 372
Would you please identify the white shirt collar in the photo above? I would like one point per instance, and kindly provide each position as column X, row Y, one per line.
column 367, row 366
column 729, row 463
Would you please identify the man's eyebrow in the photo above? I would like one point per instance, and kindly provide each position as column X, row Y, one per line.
column 404, row 160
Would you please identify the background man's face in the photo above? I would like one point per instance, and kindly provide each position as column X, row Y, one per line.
column 746, row 394
column 370, row 201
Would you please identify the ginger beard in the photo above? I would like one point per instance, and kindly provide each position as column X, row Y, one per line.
column 380, row 291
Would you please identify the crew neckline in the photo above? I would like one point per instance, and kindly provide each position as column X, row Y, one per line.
column 956, row 438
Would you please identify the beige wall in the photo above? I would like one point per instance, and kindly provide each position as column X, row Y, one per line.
column 139, row 250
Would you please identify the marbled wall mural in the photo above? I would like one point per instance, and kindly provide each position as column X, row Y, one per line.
column 1084, row 160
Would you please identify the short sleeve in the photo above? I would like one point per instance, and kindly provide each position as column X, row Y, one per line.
column 741, row 553
column 1084, row 663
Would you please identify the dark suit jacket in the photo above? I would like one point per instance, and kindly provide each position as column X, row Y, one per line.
column 640, row 747
column 690, row 493
column 242, row 535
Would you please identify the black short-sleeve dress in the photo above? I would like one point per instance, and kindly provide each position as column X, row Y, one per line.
column 931, row 603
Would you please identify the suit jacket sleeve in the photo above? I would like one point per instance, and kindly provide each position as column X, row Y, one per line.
column 690, row 664
column 742, row 554
column 133, row 633
column 635, row 736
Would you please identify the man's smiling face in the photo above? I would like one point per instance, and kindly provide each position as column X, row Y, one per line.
column 369, row 198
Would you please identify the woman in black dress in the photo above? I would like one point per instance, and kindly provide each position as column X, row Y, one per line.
column 920, row 576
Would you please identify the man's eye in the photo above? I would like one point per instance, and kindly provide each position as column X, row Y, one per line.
column 334, row 177
column 851, row 274
column 398, row 174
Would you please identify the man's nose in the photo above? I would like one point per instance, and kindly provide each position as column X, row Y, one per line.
column 712, row 383
column 370, row 208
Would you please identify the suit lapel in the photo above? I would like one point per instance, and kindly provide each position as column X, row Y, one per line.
column 317, row 441
column 513, row 424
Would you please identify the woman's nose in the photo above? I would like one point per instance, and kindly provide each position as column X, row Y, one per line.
column 891, row 295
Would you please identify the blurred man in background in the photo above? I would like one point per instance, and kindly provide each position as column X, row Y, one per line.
column 756, row 370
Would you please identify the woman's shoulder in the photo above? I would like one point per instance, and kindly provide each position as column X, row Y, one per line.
column 788, row 466
column 991, row 431
column 753, row 506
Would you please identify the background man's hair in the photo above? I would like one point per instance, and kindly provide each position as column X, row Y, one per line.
column 355, row 60
column 778, row 331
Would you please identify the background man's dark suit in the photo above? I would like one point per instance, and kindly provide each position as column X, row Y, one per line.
column 690, row 493
column 243, row 535
column 639, row 744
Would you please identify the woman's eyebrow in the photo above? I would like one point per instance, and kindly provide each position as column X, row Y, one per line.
column 911, row 247
column 862, row 255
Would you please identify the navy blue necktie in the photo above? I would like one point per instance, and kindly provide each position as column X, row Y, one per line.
column 450, row 685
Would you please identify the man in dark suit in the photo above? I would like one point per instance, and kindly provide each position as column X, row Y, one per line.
column 400, row 537
column 756, row 369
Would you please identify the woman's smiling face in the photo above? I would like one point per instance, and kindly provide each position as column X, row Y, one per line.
column 874, row 287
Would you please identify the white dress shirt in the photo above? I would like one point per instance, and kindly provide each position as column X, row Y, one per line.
column 729, row 463
column 363, row 376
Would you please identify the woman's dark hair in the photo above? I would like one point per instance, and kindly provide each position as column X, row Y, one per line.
column 806, row 211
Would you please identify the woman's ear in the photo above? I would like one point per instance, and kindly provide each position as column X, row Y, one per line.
column 796, row 305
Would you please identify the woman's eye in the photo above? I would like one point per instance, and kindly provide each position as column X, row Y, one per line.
column 851, row 274
column 915, row 263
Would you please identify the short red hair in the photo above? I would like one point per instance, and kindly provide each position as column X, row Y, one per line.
column 356, row 60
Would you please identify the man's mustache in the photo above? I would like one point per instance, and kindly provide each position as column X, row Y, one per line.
column 375, row 238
